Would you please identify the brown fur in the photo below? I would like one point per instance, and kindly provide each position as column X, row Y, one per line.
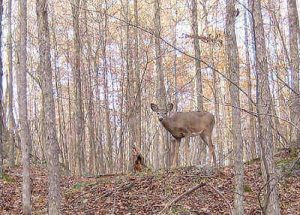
column 188, row 124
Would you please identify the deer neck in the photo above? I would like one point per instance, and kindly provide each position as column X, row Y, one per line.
column 166, row 123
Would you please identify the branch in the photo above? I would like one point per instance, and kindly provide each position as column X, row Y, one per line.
column 178, row 198
column 150, row 32
column 220, row 194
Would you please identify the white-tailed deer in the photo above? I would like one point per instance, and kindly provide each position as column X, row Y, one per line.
column 187, row 124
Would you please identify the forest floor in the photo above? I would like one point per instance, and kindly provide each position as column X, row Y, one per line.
column 149, row 193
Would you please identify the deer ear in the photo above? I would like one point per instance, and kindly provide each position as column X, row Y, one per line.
column 154, row 107
column 170, row 106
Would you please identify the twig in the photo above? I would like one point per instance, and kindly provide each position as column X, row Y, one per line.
column 84, row 193
column 123, row 187
column 178, row 198
column 220, row 194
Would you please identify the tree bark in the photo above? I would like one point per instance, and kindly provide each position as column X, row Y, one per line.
column 138, row 116
column 264, row 109
column 11, row 119
column 1, row 95
column 252, row 139
column 294, row 58
column 199, row 88
column 45, row 72
column 23, row 111
column 106, row 95
column 233, row 70
column 161, row 94
column 79, row 124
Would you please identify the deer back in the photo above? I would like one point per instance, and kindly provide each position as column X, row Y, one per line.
column 182, row 124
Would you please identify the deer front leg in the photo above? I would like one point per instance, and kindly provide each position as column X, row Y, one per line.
column 176, row 153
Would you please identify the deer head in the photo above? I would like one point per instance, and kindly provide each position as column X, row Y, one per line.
column 162, row 113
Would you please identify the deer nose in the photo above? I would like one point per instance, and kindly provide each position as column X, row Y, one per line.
column 160, row 119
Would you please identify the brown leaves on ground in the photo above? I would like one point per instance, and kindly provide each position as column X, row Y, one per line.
column 148, row 194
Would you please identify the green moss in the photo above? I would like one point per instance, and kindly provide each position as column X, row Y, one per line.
column 252, row 161
column 82, row 185
column 7, row 178
column 247, row 188
column 294, row 152
column 179, row 210
column 285, row 162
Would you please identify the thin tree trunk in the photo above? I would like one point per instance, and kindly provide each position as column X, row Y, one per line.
column 23, row 114
column 138, row 117
column 79, row 127
column 45, row 72
column 130, row 95
column 1, row 95
column 11, row 120
column 172, row 146
column 264, row 109
column 161, row 94
column 233, row 69
column 294, row 57
column 90, row 95
column 199, row 88
column 60, row 107
column 252, row 139
column 106, row 95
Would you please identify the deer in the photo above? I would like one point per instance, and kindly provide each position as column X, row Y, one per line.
column 187, row 124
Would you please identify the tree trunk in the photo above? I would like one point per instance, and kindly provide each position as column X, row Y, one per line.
column 130, row 95
column 23, row 114
column 60, row 107
column 199, row 91
column 233, row 70
column 1, row 94
column 264, row 104
column 252, row 139
column 106, row 95
column 79, row 127
column 294, row 57
column 11, row 120
column 90, row 95
column 137, row 106
column 45, row 72
column 160, row 82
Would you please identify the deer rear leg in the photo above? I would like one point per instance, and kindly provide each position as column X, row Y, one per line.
column 207, row 139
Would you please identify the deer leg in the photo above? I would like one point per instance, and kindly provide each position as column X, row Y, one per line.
column 176, row 153
column 207, row 139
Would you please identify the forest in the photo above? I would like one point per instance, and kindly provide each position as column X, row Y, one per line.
column 149, row 107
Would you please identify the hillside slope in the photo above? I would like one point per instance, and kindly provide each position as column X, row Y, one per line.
column 149, row 193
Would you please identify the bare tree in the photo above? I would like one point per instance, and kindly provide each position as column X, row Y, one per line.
column 11, row 120
column 252, row 138
column 23, row 112
column 295, row 60
column 161, row 94
column 45, row 72
column 233, row 69
column 1, row 93
column 138, row 119
column 264, row 110
column 198, row 89
column 79, row 124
